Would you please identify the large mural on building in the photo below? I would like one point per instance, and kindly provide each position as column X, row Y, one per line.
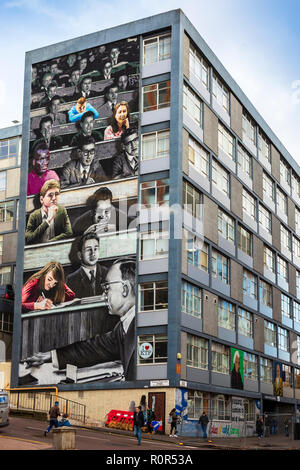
column 78, row 297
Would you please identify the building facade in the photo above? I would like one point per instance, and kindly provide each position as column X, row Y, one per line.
column 194, row 300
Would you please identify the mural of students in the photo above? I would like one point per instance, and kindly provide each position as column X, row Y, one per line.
column 45, row 134
column 86, row 129
column 120, row 121
column 126, row 163
column 40, row 172
column 85, row 89
column 58, row 118
column 237, row 373
column 82, row 106
column 278, row 382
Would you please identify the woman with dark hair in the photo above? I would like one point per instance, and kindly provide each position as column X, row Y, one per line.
column 120, row 121
column 46, row 288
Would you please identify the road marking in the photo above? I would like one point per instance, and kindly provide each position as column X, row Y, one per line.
column 20, row 439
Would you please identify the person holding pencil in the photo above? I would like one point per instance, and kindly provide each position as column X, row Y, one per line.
column 46, row 288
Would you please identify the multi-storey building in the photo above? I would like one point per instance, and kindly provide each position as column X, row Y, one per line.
column 212, row 312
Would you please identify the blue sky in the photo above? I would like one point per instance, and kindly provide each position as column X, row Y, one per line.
column 257, row 41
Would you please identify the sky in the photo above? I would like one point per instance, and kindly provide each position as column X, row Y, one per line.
column 257, row 41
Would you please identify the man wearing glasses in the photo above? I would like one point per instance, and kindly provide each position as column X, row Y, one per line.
column 85, row 169
column 126, row 163
column 117, row 344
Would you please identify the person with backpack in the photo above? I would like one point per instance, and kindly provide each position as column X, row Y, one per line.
column 203, row 421
column 173, row 418
column 54, row 413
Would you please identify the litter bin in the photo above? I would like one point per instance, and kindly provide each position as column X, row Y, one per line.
column 64, row 438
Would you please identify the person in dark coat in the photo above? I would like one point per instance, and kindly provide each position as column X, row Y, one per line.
column 236, row 379
column 138, row 422
column 174, row 419
column 203, row 421
column 54, row 413
column 259, row 427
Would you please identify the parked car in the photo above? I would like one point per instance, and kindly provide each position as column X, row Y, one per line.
column 7, row 292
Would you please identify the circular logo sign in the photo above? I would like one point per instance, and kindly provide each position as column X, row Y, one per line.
column 145, row 350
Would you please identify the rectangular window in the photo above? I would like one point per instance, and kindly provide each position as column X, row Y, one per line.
column 199, row 157
column 9, row 149
column 154, row 245
column 244, row 161
column 220, row 267
column 265, row 293
column 5, row 275
column 296, row 247
column 226, row 315
column 296, row 311
column 192, row 200
column 191, row 299
column 220, row 178
column 285, row 172
column 297, row 280
column 297, row 220
column 197, row 252
column 285, row 238
column 199, row 67
column 248, row 127
column 264, row 146
column 226, row 226
column 225, row 141
column 6, row 322
column 266, row 370
column 153, row 296
column 295, row 185
column 283, row 339
column 268, row 187
column 7, row 211
column 221, row 93
column 156, row 96
column 220, row 358
column 250, row 366
column 281, row 201
column 285, row 306
column 244, row 240
column 197, row 402
column 155, row 193
column 249, row 285
column 265, row 219
column 270, row 334
column 156, row 145
column 2, row 180
column 157, row 344
column 269, row 259
column 297, row 378
column 245, row 323
column 192, row 105
column 157, row 49
column 197, row 352
column 282, row 268
column 249, row 204
column 287, row 375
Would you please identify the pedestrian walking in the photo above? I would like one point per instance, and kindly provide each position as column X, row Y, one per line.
column 138, row 421
column 259, row 427
column 173, row 418
column 203, row 421
column 54, row 413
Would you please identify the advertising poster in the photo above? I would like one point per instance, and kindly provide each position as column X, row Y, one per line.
column 78, row 296
column 278, row 379
column 237, row 368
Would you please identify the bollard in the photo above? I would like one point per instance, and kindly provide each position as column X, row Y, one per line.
column 64, row 438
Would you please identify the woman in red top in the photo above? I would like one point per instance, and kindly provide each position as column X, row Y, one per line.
column 46, row 288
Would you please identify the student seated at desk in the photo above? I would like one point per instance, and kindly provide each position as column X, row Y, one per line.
column 46, row 288
column 76, row 112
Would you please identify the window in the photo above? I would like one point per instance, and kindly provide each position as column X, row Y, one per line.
column 287, row 374
column 192, row 200
column 220, row 407
column 285, row 172
column 221, row 93
column 197, row 402
column 198, row 157
column 155, row 193
column 153, row 296
column 285, row 237
column 265, row 219
column 197, row 252
column 296, row 247
column 297, row 220
column 220, row 358
column 225, row 141
column 250, row 366
column 266, row 370
column 249, row 204
column 191, row 299
column 249, row 285
column 156, row 96
column 285, row 306
column 226, row 226
column 244, row 161
column 154, row 245
column 199, row 67
column 297, row 378
column 296, row 311
column 245, row 323
column 1, row 247
column 192, row 105
column 270, row 334
column 158, row 345
column 156, row 145
column 268, row 187
column 197, row 352
column 248, row 127
column 297, row 280
column 269, row 259
column 265, row 293
column 5, row 275
column 6, row 322
column 2, row 180
column 7, row 211
column 263, row 146
column 9, row 149
column 283, row 340
column 282, row 268
column 295, row 185
column 220, row 178
column 226, row 315
column 157, row 49
column 281, row 201
column 244, row 240
column 220, row 267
